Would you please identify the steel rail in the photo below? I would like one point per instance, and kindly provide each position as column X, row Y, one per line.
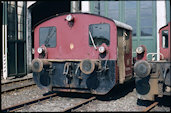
column 78, row 105
column 18, row 87
column 18, row 106
column 14, row 81
column 147, row 109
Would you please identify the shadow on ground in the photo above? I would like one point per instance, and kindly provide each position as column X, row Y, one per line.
column 119, row 91
column 71, row 94
column 163, row 101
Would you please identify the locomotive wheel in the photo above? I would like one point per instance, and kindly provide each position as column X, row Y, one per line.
column 44, row 78
column 87, row 66
column 142, row 68
column 142, row 85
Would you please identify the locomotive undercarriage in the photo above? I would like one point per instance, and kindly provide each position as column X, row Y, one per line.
column 156, row 83
column 87, row 76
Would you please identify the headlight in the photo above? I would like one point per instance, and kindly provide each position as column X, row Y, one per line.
column 39, row 50
column 140, row 50
column 101, row 49
column 69, row 17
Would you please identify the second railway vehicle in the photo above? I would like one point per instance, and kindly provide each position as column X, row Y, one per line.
column 153, row 77
column 82, row 52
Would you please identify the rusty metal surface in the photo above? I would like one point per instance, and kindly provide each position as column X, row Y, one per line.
column 150, row 107
column 70, row 77
column 3, row 82
column 156, row 82
column 71, row 90
column 38, row 64
column 84, row 65
column 153, row 88
column 16, row 88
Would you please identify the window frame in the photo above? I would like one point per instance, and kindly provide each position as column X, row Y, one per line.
column 89, row 40
column 55, row 37
column 163, row 37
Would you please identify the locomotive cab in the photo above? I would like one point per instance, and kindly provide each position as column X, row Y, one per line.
column 81, row 52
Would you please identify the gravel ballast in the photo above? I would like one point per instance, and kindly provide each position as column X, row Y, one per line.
column 121, row 98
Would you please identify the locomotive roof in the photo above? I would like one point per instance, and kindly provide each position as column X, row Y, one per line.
column 122, row 25
column 118, row 23
column 165, row 25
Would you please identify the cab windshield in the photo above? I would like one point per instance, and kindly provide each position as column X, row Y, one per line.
column 47, row 36
column 100, row 33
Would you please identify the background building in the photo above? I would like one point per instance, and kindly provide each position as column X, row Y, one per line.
column 19, row 18
column 13, row 38
column 146, row 17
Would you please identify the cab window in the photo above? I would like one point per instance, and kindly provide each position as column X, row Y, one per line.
column 98, row 34
column 127, row 40
column 47, row 36
column 165, row 39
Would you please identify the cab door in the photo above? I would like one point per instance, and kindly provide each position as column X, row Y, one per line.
column 165, row 41
column 16, row 43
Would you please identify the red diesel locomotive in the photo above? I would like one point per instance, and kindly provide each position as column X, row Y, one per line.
column 82, row 52
column 152, row 76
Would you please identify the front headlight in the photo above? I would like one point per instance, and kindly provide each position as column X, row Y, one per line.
column 40, row 50
column 139, row 50
column 101, row 49
column 69, row 17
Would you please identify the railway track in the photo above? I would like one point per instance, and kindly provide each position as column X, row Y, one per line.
column 16, row 85
column 15, row 81
column 34, row 101
column 79, row 105
column 6, row 87
column 16, row 88
column 69, row 109
column 20, row 105
column 147, row 109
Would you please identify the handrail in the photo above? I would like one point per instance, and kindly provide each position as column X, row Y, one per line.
column 154, row 54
